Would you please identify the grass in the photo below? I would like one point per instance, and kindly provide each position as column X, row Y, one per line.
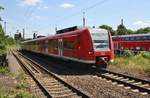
column 7, row 92
column 4, row 70
column 22, row 86
column 134, row 63
column 16, row 90
column 21, row 76
column 24, row 95
column 13, row 93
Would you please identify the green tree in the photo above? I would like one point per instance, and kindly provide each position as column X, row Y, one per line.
column 1, row 8
column 129, row 31
column 121, row 30
column 2, row 38
column 109, row 28
column 143, row 30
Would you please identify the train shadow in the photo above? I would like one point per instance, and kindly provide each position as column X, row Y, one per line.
column 58, row 66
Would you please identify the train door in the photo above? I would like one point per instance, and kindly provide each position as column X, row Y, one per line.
column 60, row 47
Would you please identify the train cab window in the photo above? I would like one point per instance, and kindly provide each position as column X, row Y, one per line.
column 100, row 40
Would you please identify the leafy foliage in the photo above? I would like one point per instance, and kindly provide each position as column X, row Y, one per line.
column 146, row 55
column 121, row 30
column 143, row 30
column 109, row 28
column 1, row 8
column 130, row 62
column 4, row 70
column 4, row 40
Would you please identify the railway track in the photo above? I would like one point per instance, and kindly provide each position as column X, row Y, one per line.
column 135, row 84
column 50, row 84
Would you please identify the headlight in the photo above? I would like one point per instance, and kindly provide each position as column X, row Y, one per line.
column 90, row 52
column 112, row 60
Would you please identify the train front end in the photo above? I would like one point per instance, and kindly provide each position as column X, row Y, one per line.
column 102, row 46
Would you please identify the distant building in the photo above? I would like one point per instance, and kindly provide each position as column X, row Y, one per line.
column 18, row 36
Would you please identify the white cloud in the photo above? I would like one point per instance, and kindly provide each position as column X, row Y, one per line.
column 45, row 7
column 42, row 7
column 140, row 24
column 30, row 2
column 67, row 5
column 36, row 17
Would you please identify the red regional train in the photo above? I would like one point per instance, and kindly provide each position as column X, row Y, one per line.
column 89, row 46
column 134, row 42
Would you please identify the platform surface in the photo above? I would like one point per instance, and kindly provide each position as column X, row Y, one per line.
column 13, row 64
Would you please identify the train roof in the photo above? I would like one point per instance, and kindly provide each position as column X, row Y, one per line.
column 148, row 34
column 31, row 40
column 71, row 30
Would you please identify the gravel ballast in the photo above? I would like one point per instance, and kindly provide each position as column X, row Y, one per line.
column 100, row 88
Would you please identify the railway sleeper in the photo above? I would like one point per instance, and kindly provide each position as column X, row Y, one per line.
column 127, row 83
column 55, row 86
column 67, row 91
column 71, row 95
column 144, row 85
column 51, row 85
column 125, row 79
column 58, row 89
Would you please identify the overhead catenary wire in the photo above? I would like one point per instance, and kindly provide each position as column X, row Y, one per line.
column 28, row 16
column 81, row 11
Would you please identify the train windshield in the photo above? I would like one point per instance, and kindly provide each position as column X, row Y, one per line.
column 100, row 40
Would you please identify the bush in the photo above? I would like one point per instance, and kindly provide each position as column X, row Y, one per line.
column 133, row 62
column 4, row 70
column 2, row 49
column 146, row 55
column 128, row 53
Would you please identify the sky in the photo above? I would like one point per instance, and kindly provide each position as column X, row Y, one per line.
column 42, row 16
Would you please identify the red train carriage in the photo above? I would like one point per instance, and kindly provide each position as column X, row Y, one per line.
column 84, row 45
column 134, row 42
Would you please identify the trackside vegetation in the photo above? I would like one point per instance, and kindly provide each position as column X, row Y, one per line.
column 4, row 70
column 5, row 41
column 139, row 63
column 17, row 88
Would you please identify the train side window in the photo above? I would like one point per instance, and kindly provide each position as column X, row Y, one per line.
column 127, row 38
column 138, row 38
column 149, row 37
column 144, row 38
column 123, row 39
column 132, row 38
column 68, row 44
column 55, row 44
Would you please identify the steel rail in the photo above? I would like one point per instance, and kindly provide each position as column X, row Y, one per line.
column 78, row 92
column 125, row 83
column 45, row 91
